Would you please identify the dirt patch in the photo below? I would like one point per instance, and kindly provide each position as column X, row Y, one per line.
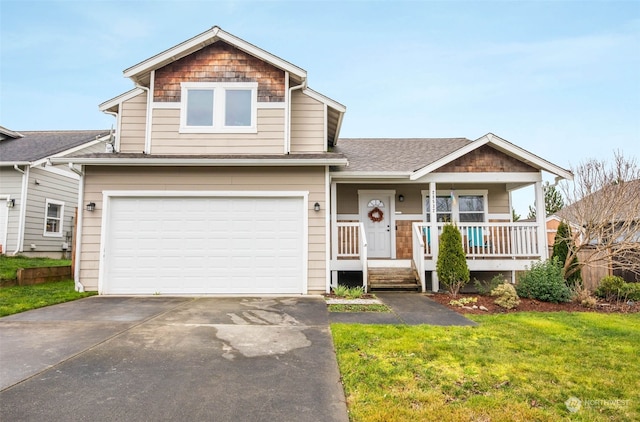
column 528, row 305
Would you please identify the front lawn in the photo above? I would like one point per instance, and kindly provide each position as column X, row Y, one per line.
column 512, row 367
column 9, row 264
column 23, row 298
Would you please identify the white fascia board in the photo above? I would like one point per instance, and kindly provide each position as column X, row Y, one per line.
column 482, row 177
column 324, row 99
column 14, row 163
column 120, row 99
column 202, row 161
column 202, row 40
column 528, row 157
column 370, row 176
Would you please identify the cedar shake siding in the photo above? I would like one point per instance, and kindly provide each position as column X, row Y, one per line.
column 205, row 179
column 486, row 159
column 219, row 62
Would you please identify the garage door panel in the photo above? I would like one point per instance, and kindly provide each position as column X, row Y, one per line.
column 204, row 245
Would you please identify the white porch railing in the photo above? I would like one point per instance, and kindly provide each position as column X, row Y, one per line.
column 488, row 240
column 352, row 244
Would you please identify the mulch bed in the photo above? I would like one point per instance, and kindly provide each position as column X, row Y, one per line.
column 528, row 305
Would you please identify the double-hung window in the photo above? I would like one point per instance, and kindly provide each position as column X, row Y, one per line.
column 53, row 218
column 463, row 207
column 216, row 107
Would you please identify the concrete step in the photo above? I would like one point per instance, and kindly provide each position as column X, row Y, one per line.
column 397, row 279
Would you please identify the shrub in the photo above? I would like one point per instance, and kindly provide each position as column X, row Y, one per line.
column 355, row 292
column 340, row 291
column 544, row 281
column 463, row 301
column 485, row 289
column 582, row 295
column 561, row 244
column 452, row 263
column 610, row 287
column 631, row 291
column 507, row 297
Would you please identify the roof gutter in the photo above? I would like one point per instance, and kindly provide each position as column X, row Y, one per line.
column 221, row 162
column 76, row 270
column 23, row 207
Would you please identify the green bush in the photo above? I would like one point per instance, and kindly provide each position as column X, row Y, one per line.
column 561, row 245
column 485, row 289
column 507, row 297
column 631, row 291
column 544, row 281
column 610, row 287
column 452, row 262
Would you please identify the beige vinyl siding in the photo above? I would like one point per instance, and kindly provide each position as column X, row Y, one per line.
column 55, row 187
column 133, row 120
column 307, row 124
column 11, row 184
column 166, row 139
column 206, row 179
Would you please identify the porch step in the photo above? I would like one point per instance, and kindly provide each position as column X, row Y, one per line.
column 393, row 279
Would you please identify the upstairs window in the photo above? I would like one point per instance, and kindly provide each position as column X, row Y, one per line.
column 53, row 217
column 210, row 107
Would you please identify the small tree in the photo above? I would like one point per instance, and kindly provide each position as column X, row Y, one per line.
column 562, row 243
column 553, row 201
column 604, row 203
column 452, row 262
column 514, row 215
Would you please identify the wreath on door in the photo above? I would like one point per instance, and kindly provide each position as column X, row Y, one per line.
column 376, row 215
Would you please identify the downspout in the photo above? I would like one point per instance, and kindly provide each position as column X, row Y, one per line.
column 303, row 85
column 147, row 130
column 79, row 223
column 23, row 207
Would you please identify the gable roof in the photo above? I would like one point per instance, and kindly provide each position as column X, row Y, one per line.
column 395, row 156
column 139, row 73
column 37, row 145
column 417, row 157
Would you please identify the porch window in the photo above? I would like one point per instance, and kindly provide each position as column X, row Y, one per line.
column 54, row 213
column 214, row 107
column 464, row 207
column 471, row 208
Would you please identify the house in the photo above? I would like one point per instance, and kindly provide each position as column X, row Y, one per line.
column 617, row 241
column 38, row 199
column 229, row 177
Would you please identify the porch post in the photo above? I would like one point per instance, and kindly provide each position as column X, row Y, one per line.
column 334, row 231
column 541, row 219
column 435, row 238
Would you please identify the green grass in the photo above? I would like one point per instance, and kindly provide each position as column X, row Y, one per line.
column 9, row 264
column 352, row 307
column 23, row 298
column 512, row 367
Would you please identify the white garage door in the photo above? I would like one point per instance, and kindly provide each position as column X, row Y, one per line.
column 204, row 245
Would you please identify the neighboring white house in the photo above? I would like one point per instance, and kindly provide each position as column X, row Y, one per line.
column 229, row 176
column 38, row 199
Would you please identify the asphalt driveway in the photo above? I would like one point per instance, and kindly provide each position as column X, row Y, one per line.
column 171, row 358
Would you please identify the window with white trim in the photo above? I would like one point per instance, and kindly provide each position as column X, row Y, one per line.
column 211, row 107
column 463, row 207
column 53, row 218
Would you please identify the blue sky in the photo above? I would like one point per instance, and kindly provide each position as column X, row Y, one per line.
column 558, row 78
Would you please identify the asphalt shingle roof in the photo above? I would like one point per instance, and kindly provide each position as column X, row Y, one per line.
column 34, row 146
column 395, row 154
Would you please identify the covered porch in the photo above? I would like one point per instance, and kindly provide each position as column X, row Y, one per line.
column 398, row 225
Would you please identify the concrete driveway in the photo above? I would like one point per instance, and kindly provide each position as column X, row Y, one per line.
column 171, row 358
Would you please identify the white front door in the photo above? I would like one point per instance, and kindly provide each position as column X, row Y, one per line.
column 375, row 212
